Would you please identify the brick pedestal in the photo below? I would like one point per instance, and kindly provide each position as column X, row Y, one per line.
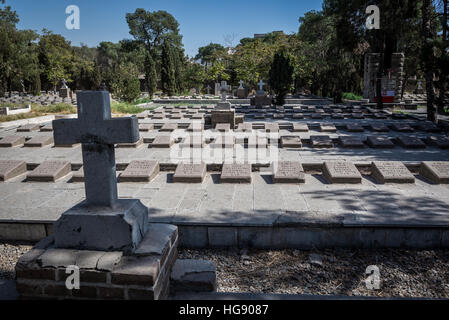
column 223, row 116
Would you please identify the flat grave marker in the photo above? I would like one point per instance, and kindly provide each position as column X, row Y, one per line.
column 190, row 172
column 50, row 171
column 291, row 142
column 379, row 142
column 245, row 127
column 321, row 142
column 223, row 127
column 168, row 127
column 164, row 141
column 39, row 141
column 300, row 127
column 145, row 127
column 351, row 142
column 47, row 128
column 236, row 173
column 289, row 172
column 327, row 128
column 391, row 172
column 435, row 171
column 411, row 142
column 136, row 144
column 379, row 127
column 195, row 127
column 11, row 168
column 341, row 172
column 140, row 171
column 440, row 142
column 355, row 127
column 402, row 127
column 12, row 141
column 271, row 127
column 28, row 127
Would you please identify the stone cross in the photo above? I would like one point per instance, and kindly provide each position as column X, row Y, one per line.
column 64, row 84
column 98, row 133
column 261, row 83
column 224, row 90
column 208, row 89
column 241, row 84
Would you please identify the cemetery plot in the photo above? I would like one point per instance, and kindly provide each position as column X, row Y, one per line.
column 50, row 171
column 236, row 173
column 300, row 127
column 321, row 142
column 223, row 141
column 291, row 142
column 47, row 128
column 190, row 173
column 39, row 141
column 195, row 127
column 351, row 142
column 140, row 171
column 28, row 127
column 402, row 127
column 193, row 141
column 379, row 127
column 271, row 127
column 341, row 172
column 11, row 168
column 168, row 127
column 411, row 142
column 327, row 128
column 379, row 142
column 288, row 172
column 391, row 172
column 429, row 127
column 440, row 142
column 136, row 144
column 12, row 141
column 223, row 127
column 162, row 142
column 354, row 127
column 245, row 127
column 435, row 171
column 145, row 127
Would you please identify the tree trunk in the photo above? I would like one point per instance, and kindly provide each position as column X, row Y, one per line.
column 428, row 63
column 442, row 80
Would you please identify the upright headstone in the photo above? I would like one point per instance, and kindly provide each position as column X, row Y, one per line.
column 241, row 91
column 64, row 91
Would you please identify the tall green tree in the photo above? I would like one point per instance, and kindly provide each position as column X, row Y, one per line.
column 150, row 75
column 281, row 76
column 168, row 80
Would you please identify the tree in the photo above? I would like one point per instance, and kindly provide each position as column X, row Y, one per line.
column 168, row 80
column 125, row 84
column 194, row 75
column 150, row 75
column 281, row 76
column 210, row 53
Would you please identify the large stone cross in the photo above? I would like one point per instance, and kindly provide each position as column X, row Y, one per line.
column 98, row 133
column 224, row 88
column 261, row 83
column 241, row 84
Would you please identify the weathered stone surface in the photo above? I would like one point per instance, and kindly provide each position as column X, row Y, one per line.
column 245, row 127
column 136, row 144
column 57, row 258
column 109, row 260
column 193, row 276
column 355, row 127
column 190, row 172
column 411, row 142
column 379, row 142
column 223, row 116
column 134, row 270
column 391, row 172
column 236, row 173
column 140, row 171
column 78, row 176
column 145, row 127
column 435, row 171
column 162, row 142
column 291, row 142
column 168, row 127
column 47, row 128
column 402, row 127
column 223, row 127
column 324, row 127
column 351, row 142
column 300, row 127
column 379, row 127
column 321, row 142
column 39, row 141
column 12, row 141
column 341, row 172
column 157, row 241
column 120, row 228
column 50, row 171
column 195, row 127
column 271, row 127
column 440, row 142
column 11, row 168
column 288, row 172
column 223, row 141
column 29, row 127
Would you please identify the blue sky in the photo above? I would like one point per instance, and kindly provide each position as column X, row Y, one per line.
column 201, row 21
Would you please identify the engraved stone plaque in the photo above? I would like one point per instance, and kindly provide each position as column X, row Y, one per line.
column 341, row 172
column 391, row 172
column 288, row 172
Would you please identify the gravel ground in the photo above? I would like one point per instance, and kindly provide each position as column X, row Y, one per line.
column 403, row 273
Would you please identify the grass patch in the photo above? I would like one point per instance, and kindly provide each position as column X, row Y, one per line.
column 142, row 100
column 38, row 111
column 351, row 96
column 126, row 108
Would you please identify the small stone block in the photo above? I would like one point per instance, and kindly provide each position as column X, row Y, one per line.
column 289, row 172
column 351, row 142
column 50, row 171
column 328, row 128
column 28, row 127
column 47, row 128
column 378, row 127
column 354, row 127
column 341, row 172
column 39, row 141
column 162, row 142
column 190, row 173
column 169, row 127
column 300, row 127
column 12, row 141
column 271, row 127
column 391, row 172
column 440, row 142
column 321, row 142
column 11, row 168
column 236, row 173
column 379, row 142
column 402, row 127
column 136, row 144
column 411, row 142
column 291, row 142
column 140, row 171
column 435, row 171
column 223, row 127
column 133, row 270
column 145, row 127
column 190, row 275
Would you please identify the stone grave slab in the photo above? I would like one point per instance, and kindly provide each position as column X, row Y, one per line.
column 358, row 115
column 12, row 141
column 236, row 173
column 440, row 142
column 11, row 168
column 140, row 171
column 338, row 116
column 379, row 127
column 351, row 142
column 435, row 171
column 164, row 141
column 193, row 141
column 245, row 127
column 341, row 172
column 223, row 127
column 195, row 127
column 321, row 142
column 316, row 116
column 289, row 172
column 190, row 172
column 226, row 141
column 50, row 171
column 291, row 142
column 429, row 127
column 300, row 127
column 271, row 127
column 402, row 127
column 136, row 144
column 47, row 128
column 39, row 141
column 28, row 127
column 391, row 172
column 298, row 115
column 355, row 127
column 145, row 127
column 411, row 142
column 198, row 116
column 168, row 127
column 327, row 127
column 379, row 142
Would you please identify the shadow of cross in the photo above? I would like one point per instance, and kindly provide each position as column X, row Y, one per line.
column 97, row 132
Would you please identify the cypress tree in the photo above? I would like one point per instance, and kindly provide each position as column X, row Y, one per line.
column 150, row 75
column 281, row 76
column 168, row 78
